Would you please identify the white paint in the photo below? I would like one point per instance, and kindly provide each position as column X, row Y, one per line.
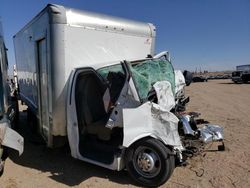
column 150, row 119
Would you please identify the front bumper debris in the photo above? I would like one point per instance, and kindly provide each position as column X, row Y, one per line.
column 196, row 133
column 211, row 133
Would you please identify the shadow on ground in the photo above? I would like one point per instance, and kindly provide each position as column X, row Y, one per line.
column 59, row 163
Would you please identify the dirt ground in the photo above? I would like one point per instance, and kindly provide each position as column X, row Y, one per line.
column 219, row 101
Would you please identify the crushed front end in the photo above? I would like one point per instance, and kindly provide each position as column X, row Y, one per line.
column 157, row 81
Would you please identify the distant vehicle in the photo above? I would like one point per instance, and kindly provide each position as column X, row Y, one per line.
column 8, row 110
column 219, row 77
column 211, row 77
column 242, row 74
column 199, row 79
column 227, row 76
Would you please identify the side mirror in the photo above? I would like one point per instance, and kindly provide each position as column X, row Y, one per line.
column 188, row 77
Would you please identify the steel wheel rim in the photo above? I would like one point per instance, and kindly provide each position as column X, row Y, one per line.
column 147, row 162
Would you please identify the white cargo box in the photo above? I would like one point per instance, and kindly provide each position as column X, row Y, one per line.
column 60, row 39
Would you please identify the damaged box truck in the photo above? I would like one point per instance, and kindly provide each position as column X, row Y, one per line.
column 94, row 79
column 8, row 111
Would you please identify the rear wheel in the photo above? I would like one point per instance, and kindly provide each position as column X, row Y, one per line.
column 149, row 162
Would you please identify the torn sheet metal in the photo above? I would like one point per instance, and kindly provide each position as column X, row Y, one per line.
column 10, row 138
column 148, row 72
column 150, row 119
column 186, row 125
column 211, row 133
column 179, row 83
column 125, row 100
column 164, row 95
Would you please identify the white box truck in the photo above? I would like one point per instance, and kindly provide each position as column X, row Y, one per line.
column 59, row 40
column 94, row 79
column 82, row 75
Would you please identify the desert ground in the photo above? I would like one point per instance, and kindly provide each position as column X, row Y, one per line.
column 219, row 101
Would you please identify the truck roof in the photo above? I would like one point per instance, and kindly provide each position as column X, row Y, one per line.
column 91, row 20
column 243, row 67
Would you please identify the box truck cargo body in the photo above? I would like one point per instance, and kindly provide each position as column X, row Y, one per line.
column 61, row 39
column 87, row 77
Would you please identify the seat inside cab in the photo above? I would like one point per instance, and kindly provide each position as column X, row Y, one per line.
column 91, row 112
column 92, row 115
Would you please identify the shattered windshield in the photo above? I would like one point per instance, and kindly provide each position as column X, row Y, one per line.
column 146, row 73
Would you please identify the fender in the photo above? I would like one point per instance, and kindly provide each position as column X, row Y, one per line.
column 149, row 120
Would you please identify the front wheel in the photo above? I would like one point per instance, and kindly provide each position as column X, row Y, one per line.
column 3, row 156
column 150, row 162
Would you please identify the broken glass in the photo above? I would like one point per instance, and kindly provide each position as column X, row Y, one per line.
column 147, row 73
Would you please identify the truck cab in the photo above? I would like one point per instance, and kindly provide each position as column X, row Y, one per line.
column 242, row 74
column 110, row 119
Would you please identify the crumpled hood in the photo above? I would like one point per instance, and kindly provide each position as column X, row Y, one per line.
column 151, row 119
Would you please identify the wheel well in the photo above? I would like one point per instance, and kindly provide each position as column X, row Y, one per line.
column 150, row 137
column 135, row 164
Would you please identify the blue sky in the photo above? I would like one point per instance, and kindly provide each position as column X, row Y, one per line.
column 206, row 34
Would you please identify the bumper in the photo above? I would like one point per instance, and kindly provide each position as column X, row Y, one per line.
column 211, row 133
column 207, row 133
column 236, row 79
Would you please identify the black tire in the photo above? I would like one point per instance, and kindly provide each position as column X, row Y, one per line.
column 2, row 168
column 3, row 158
column 163, row 166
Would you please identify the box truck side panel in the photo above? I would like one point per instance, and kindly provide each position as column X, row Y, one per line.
column 74, row 46
column 26, row 69
column 32, row 57
column 88, row 47
column 25, row 43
